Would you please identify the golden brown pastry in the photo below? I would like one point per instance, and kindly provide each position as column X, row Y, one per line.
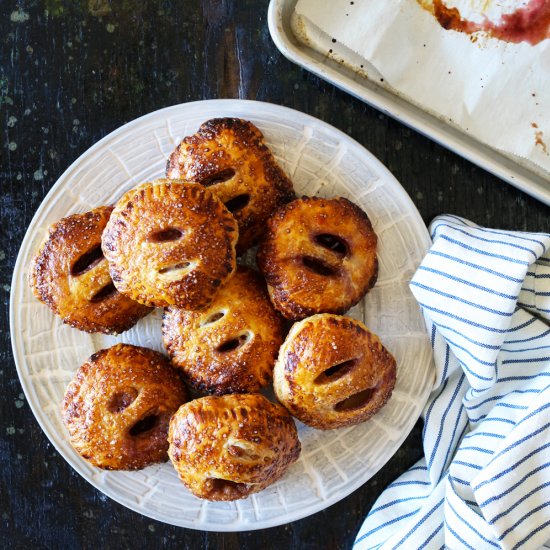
column 69, row 274
column 318, row 256
column 230, row 346
column 332, row 372
column 229, row 156
column 226, row 448
column 170, row 243
column 118, row 406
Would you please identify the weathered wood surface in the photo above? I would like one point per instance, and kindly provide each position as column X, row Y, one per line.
column 71, row 72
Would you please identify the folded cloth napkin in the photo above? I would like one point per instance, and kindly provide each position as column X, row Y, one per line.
column 484, row 481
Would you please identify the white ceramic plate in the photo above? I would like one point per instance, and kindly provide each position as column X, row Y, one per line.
column 321, row 161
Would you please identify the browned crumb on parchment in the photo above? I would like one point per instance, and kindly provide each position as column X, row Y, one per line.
column 538, row 137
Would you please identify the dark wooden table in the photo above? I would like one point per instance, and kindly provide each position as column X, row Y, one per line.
column 73, row 71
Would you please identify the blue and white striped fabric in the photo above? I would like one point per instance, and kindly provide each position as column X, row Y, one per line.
column 485, row 479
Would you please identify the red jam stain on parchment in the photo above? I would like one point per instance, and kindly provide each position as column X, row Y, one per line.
column 530, row 23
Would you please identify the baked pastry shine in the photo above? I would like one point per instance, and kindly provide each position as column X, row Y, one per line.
column 230, row 346
column 118, row 406
column 170, row 243
column 70, row 275
column 333, row 372
column 318, row 256
column 226, row 448
column 229, row 156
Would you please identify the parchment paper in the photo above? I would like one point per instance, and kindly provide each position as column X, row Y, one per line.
column 496, row 91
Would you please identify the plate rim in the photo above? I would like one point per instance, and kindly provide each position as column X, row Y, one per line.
column 374, row 163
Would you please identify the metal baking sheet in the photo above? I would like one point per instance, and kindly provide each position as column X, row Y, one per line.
column 358, row 84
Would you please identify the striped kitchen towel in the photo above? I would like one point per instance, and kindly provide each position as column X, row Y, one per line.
column 484, row 481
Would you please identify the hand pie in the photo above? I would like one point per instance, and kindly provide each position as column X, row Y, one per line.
column 229, row 156
column 230, row 346
column 70, row 275
column 170, row 243
column 118, row 406
column 318, row 256
column 332, row 372
column 226, row 448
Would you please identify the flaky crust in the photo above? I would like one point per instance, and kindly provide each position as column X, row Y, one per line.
column 118, row 406
column 230, row 346
column 230, row 157
column 69, row 274
column 318, row 256
column 170, row 243
column 333, row 372
column 226, row 448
